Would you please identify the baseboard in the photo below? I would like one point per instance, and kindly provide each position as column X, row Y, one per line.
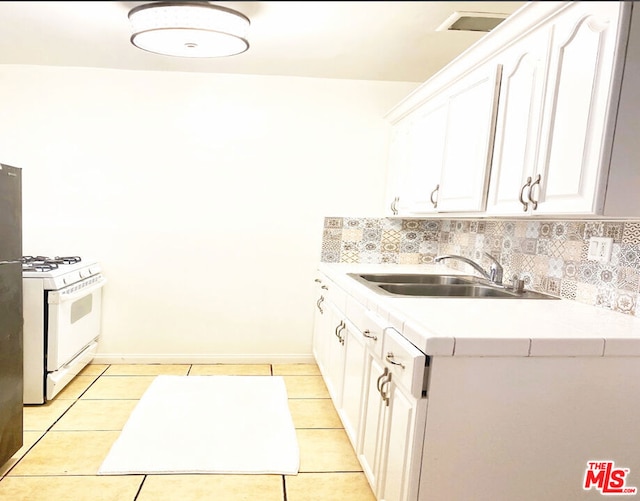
column 186, row 358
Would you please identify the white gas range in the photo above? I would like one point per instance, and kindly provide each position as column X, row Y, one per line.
column 62, row 305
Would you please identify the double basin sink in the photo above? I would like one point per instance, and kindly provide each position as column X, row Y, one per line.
column 424, row 285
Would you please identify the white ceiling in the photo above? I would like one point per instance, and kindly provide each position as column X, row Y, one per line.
column 370, row 40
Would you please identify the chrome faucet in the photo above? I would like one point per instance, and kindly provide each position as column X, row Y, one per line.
column 495, row 270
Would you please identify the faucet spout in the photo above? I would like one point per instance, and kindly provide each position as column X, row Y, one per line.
column 495, row 271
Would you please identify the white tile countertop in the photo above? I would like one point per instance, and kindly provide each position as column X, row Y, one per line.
column 492, row 327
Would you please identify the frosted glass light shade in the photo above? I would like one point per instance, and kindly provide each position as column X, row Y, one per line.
column 189, row 29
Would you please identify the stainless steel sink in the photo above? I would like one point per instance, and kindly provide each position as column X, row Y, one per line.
column 425, row 285
column 390, row 278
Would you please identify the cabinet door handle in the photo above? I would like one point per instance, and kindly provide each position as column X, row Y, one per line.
column 534, row 203
column 394, row 209
column 525, row 205
column 318, row 303
column 434, row 202
column 391, row 359
column 368, row 335
column 338, row 327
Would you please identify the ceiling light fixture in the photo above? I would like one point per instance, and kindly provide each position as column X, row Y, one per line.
column 189, row 29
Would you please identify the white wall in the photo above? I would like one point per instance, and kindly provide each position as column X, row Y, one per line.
column 203, row 196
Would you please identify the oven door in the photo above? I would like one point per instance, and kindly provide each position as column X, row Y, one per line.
column 74, row 318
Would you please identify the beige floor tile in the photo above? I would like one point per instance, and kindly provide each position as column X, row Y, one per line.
column 66, row 453
column 328, row 487
column 305, row 387
column 119, row 387
column 212, row 487
column 76, row 387
column 230, row 370
column 314, row 413
column 147, row 370
column 296, row 370
column 41, row 417
column 28, row 439
column 326, row 450
column 121, row 488
column 96, row 415
column 94, row 369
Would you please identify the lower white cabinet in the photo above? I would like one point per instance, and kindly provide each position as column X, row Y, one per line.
column 376, row 380
column 393, row 420
column 473, row 428
column 328, row 336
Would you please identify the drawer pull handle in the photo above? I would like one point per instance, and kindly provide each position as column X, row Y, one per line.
column 368, row 335
column 324, row 287
column 391, row 359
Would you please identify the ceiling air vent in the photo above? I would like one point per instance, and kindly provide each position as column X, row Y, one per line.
column 472, row 21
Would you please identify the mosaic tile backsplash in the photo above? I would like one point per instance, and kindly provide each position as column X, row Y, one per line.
column 551, row 256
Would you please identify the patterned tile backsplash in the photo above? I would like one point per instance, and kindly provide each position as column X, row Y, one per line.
column 551, row 256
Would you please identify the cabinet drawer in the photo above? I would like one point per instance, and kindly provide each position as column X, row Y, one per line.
column 372, row 328
column 405, row 362
column 369, row 326
column 331, row 292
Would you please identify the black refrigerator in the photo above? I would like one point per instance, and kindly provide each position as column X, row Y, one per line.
column 11, row 343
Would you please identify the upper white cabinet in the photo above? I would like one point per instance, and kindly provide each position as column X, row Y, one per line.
column 417, row 150
column 550, row 151
column 516, row 147
column 565, row 140
column 441, row 152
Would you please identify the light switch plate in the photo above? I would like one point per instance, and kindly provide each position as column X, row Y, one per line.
column 600, row 249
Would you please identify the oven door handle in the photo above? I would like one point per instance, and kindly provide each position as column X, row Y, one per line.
column 62, row 297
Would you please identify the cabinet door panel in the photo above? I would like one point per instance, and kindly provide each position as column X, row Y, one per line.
column 321, row 327
column 372, row 423
column 397, row 446
column 335, row 355
column 517, row 136
column 577, row 102
column 354, row 376
column 426, row 158
column 469, row 140
column 397, row 164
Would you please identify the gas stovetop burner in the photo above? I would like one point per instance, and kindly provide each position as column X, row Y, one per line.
column 53, row 260
column 44, row 263
column 35, row 266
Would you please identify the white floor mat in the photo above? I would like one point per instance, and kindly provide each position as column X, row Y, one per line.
column 208, row 424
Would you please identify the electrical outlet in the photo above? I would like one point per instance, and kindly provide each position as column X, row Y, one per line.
column 600, row 249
